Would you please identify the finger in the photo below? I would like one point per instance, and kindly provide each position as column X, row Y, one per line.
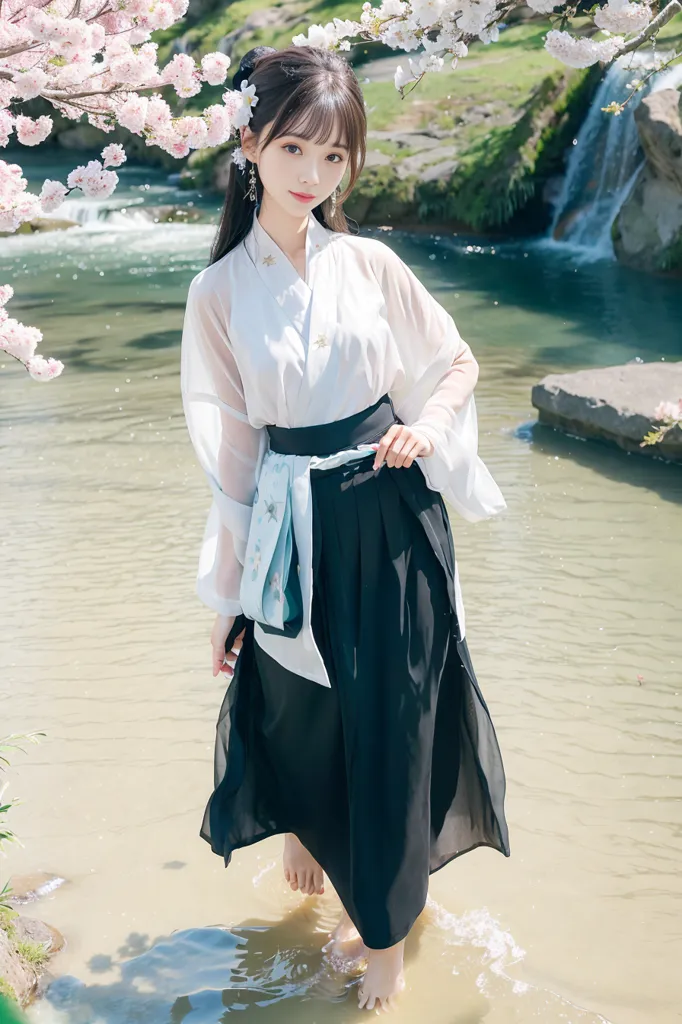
column 384, row 445
column 411, row 454
column 395, row 454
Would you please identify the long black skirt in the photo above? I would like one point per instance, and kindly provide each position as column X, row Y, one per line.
column 396, row 769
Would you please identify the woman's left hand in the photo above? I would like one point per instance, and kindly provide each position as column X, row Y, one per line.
column 400, row 446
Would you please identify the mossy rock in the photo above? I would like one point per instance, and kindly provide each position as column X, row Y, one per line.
column 502, row 172
column 381, row 197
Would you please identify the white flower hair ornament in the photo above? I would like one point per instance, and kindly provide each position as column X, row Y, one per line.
column 241, row 118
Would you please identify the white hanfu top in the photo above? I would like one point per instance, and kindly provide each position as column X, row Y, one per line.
column 262, row 345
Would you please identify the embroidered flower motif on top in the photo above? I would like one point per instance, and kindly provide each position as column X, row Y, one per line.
column 321, row 341
column 256, row 559
column 271, row 510
column 269, row 260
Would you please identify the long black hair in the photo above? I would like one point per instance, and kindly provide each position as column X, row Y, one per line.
column 302, row 89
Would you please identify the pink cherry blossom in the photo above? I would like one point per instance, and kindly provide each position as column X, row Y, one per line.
column 44, row 369
column 32, row 132
column 113, row 155
column 214, row 67
column 52, row 195
column 132, row 114
column 29, row 84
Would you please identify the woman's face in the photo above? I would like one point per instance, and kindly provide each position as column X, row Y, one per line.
column 290, row 164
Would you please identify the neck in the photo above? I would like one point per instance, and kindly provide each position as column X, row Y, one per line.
column 288, row 232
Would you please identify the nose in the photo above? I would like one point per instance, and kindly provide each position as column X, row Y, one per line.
column 310, row 175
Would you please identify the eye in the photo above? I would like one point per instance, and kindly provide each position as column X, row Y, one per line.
column 289, row 145
column 337, row 155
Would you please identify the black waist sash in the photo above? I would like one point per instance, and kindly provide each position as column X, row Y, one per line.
column 362, row 427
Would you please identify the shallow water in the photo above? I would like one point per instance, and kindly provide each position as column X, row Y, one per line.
column 572, row 601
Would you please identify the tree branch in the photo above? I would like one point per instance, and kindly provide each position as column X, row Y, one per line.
column 661, row 19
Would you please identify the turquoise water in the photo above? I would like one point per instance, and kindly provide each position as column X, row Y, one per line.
column 572, row 601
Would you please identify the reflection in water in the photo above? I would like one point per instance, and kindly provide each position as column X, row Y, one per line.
column 573, row 619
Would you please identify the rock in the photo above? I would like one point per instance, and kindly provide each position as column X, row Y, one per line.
column 433, row 155
column 14, row 971
column 647, row 233
column 266, row 17
column 613, row 403
column 411, row 140
column 375, row 158
column 27, row 888
column 442, row 171
column 29, row 227
column 28, row 929
column 18, row 976
column 659, row 124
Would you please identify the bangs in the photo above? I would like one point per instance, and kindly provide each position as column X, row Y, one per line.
column 316, row 121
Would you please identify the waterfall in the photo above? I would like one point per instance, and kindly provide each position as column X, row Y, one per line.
column 605, row 161
column 603, row 165
column 90, row 212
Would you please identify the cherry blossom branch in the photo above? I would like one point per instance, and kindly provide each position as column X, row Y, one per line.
column 669, row 415
column 638, row 84
column 661, row 19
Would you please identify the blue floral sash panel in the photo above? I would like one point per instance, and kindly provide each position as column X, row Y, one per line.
column 270, row 591
column 269, row 547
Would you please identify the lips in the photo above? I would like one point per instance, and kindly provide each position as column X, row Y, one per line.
column 302, row 195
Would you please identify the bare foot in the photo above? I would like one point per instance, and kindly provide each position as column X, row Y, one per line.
column 345, row 942
column 384, row 978
column 301, row 870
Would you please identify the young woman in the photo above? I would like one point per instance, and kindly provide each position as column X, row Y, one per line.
column 329, row 400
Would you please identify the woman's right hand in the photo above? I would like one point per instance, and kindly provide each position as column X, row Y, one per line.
column 221, row 628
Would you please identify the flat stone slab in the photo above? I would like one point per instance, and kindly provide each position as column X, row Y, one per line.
column 613, row 403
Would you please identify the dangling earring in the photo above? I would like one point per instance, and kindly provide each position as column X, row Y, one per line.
column 334, row 195
column 252, row 194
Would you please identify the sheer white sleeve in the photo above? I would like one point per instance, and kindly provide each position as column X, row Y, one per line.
column 228, row 447
column 434, row 395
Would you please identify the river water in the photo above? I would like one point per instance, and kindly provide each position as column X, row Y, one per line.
column 572, row 599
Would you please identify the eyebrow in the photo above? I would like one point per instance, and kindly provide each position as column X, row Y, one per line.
column 335, row 145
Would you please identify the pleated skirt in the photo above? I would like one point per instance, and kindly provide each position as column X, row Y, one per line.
column 396, row 769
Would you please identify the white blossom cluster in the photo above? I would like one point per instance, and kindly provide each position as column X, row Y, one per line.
column 406, row 25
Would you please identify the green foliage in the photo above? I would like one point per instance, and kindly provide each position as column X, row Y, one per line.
column 498, row 174
column 6, row 992
column 671, row 259
column 7, row 915
column 34, row 953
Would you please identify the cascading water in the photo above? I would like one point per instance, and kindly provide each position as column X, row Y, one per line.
column 606, row 159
